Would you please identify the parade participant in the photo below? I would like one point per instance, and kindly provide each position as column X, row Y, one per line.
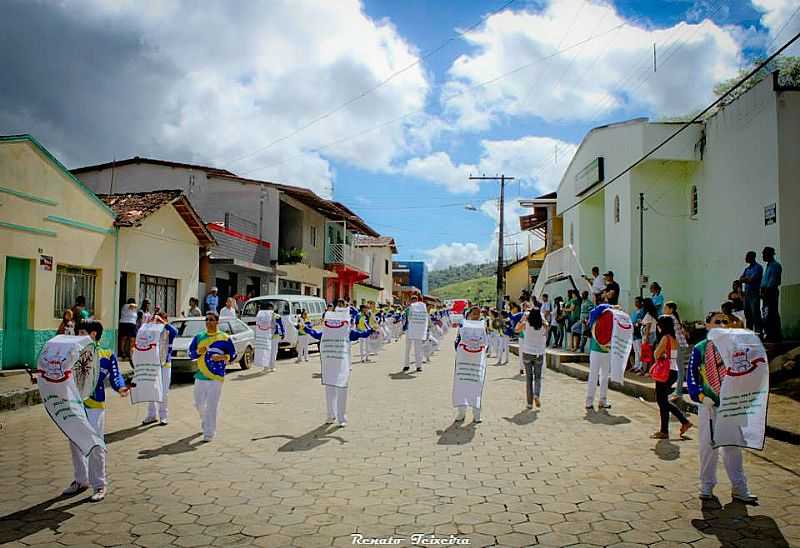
column 301, row 324
column 533, row 335
column 278, row 333
column 415, row 326
column 704, row 381
column 375, row 340
column 514, row 317
column 213, row 351
column 166, row 376
column 228, row 311
column 492, row 327
column 362, row 323
column 505, row 338
column 92, row 470
column 667, row 349
column 612, row 341
column 335, row 338
column 470, row 366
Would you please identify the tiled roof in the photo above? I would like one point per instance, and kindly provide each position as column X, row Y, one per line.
column 373, row 241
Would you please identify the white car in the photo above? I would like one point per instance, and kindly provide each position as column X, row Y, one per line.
column 242, row 336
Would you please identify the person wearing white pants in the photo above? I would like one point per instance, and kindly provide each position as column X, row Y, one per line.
column 302, row 336
column 213, row 350
column 419, row 353
column 161, row 411
column 598, row 371
column 91, row 471
column 336, row 400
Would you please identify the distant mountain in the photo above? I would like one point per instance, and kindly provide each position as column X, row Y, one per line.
column 455, row 274
column 477, row 290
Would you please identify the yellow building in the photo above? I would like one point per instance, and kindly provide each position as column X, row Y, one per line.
column 59, row 241
column 521, row 274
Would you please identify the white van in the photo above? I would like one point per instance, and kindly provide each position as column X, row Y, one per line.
column 286, row 306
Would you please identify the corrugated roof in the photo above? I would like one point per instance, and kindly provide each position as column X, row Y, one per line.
column 152, row 161
column 372, row 241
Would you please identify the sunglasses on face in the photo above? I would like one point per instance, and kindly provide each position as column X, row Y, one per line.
column 721, row 322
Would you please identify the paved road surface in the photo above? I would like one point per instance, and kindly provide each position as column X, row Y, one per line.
column 274, row 476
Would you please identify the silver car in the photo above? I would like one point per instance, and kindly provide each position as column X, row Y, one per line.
column 243, row 339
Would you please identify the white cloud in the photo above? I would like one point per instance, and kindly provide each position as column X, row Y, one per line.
column 455, row 253
column 213, row 84
column 592, row 79
column 536, row 162
column 776, row 14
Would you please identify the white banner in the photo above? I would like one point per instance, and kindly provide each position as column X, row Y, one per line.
column 149, row 355
column 334, row 349
column 621, row 344
column 265, row 326
column 60, row 395
column 417, row 321
column 742, row 413
column 470, row 368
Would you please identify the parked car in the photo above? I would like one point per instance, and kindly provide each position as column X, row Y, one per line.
column 286, row 306
column 242, row 336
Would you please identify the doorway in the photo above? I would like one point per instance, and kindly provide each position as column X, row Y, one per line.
column 17, row 343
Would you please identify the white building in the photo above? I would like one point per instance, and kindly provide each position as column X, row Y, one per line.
column 719, row 189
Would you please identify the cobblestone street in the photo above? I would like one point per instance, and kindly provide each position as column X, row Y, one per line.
column 275, row 476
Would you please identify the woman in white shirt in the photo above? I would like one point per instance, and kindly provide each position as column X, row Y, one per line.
column 229, row 310
column 533, row 331
column 127, row 327
column 668, row 347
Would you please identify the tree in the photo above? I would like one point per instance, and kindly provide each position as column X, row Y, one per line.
column 788, row 68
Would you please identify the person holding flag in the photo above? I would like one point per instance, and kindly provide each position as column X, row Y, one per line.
column 612, row 341
column 166, row 375
column 213, row 351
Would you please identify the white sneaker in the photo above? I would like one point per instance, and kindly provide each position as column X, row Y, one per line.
column 330, row 420
column 74, row 488
column 149, row 420
column 208, row 439
column 747, row 497
column 164, row 422
column 342, row 424
column 99, row 494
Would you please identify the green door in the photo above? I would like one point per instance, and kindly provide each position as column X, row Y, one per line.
column 16, row 335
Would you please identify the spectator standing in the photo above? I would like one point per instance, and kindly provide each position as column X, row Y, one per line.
column 194, row 308
column 144, row 315
column 636, row 319
column 79, row 311
column 648, row 323
column 751, row 278
column 598, row 285
column 657, row 298
column 667, row 348
column 684, row 350
column 229, row 310
column 583, row 324
column 770, row 293
column 67, row 325
column 546, row 308
column 573, row 312
column 611, row 292
column 556, row 319
column 127, row 327
column 212, row 301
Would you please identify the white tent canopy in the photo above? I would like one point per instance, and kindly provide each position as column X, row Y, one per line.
column 560, row 266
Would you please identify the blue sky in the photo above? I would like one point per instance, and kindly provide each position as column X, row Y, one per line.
column 297, row 92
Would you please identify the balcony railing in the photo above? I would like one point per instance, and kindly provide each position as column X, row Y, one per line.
column 347, row 255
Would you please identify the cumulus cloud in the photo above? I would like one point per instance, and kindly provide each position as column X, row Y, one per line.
column 95, row 79
column 455, row 253
column 612, row 72
column 777, row 18
column 536, row 162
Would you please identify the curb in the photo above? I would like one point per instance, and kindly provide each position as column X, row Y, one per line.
column 18, row 398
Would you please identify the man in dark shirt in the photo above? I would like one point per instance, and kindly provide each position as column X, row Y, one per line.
column 751, row 278
column 611, row 293
column 770, row 293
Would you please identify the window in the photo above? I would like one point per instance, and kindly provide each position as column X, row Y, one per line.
column 313, row 236
column 616, row 209
column 694, row 205
column 386, row 266
column 161, row 292
column 239, row 327
column 72, row 282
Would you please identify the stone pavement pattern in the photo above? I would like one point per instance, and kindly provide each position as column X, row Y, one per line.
column 274, row 476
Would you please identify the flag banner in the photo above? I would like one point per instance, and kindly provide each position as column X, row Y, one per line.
column 417, row 321
column 265, row 326
column 470, row 367
column 149, row 355
column 334, row 349
column 375, row 341
column 621, row 344
column 58, row 363
column 741, row 417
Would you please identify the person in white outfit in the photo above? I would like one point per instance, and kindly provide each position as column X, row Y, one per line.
column 470, row 367
column 160, row 411
column 228, row 311
column 302, row 336
column 415, row 327
column 707, row 399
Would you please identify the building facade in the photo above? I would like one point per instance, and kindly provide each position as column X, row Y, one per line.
column 379, row 251
column 719, row 189
column 417, row 273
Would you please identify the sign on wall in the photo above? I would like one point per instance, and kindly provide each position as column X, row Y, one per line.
column 589, row 176
column 46, row 263
column 770, row 214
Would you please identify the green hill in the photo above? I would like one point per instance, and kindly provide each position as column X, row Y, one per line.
column 460, row 273
column 478, row 290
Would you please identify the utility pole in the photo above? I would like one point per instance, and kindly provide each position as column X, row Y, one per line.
column 500, row 270
column 641, row 243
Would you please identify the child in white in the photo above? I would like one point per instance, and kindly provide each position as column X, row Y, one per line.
column 470, row 367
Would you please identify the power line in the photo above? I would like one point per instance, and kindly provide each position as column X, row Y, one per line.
column 686, row 124
column 374, row 88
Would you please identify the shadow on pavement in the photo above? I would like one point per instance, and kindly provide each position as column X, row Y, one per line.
column 256, row 375
column 37, row 518
column 733, row 526
column 122, row 435
column 518, row 378
column 666, row 450
column 604, row 417
column 401, row 376
column 183, row 445
column 308, row 441
column 455, row 434
column 523, row 418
